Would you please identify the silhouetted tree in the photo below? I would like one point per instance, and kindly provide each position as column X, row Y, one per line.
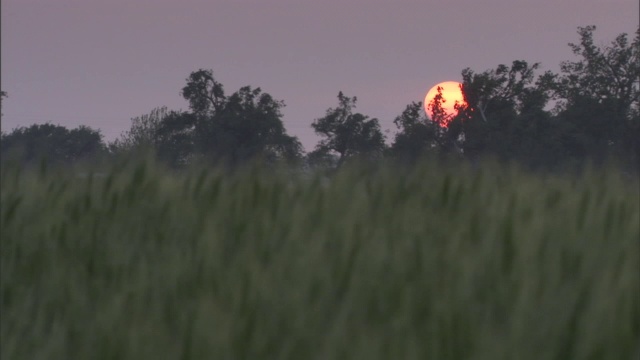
column 3, row 94
column 598, row 97
column 143, row 132
column 204, row 93
column 163, row 133
column 175, row 138
column 233, row 129
column 437, row 113
column 417, row 135
column 506, row 87
column 348, row 134
column 505, row 114
column 53, row 143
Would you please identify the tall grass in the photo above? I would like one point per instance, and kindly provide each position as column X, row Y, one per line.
column 435, row 263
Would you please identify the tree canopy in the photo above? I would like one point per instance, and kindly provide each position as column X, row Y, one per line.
column 588, row 111
column 53, row 143
column 231, row 130
column 348, row 134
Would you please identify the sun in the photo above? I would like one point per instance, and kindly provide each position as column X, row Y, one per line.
column 451, row 94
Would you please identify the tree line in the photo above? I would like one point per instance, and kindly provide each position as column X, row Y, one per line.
column 589, row 111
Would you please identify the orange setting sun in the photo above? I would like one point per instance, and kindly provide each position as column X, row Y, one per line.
column 451, row 94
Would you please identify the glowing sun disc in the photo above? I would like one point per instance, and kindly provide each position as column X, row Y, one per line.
column 451, row 93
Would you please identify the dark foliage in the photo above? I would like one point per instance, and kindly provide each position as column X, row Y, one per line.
column 53, row 143
column 588, row 112
column 348, row 134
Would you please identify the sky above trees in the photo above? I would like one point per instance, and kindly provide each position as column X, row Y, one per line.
column 101, row 63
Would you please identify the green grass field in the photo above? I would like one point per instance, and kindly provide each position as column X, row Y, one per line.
column 443, row 262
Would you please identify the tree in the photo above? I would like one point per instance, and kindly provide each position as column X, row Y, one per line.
column 598, row 97
column 596, row 116
column 505, row 114
column 143, row 132
column 166, row 134
column 53, row 143
column 438, row 114
column 3, row 94
column 204, row 93
column 348, row 134
column 449, row 134
column 610, row 74
column 504, row 88
column 175, row 138
column 417, row 134
column 244, row 126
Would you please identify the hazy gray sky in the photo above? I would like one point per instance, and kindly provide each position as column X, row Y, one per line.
column 100, row 63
